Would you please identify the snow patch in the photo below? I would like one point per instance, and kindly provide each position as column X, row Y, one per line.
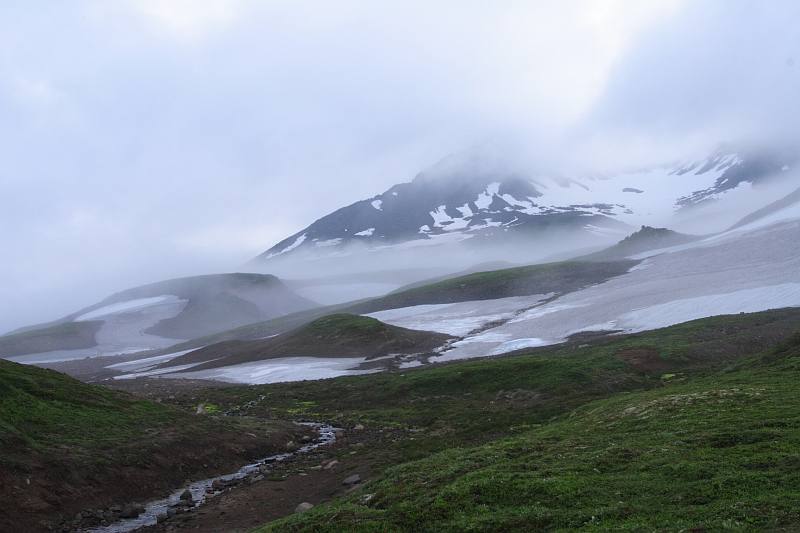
column 377, row 204
column 485, row 198
column 366, row 232
column 123, row 307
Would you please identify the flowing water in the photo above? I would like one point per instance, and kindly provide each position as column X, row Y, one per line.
column 201, row 489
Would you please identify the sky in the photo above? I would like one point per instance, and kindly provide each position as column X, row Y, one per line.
column 146, row 139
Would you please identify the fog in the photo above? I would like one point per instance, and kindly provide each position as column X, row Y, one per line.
column 147, row 139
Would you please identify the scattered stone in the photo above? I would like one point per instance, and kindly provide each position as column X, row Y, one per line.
column 303, row 507
column 358, row 427
column 355, row 479
column 330, row 464
column 131, row 510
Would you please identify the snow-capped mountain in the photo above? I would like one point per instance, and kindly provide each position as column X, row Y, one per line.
column 460, row 200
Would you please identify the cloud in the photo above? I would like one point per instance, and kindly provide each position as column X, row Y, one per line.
column 188, row 21
column 149, row 138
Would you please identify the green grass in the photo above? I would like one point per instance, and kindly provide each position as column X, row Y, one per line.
column 596, row 437
column 42, row 410
column 473, row 400
column 716, row 452
column 338, row 325
column 560, row 277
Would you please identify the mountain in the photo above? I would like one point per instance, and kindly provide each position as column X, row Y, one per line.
column 467, row 200
column 157, row 315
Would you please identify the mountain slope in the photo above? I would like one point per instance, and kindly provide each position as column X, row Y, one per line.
column 152, row 316
column 471, row 201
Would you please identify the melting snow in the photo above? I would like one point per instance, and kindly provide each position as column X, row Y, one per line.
column 329, row 242
column 485, row 198
column 291, row 247
column 281, row 369
column 122, row 307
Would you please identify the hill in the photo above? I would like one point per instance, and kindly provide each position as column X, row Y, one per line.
column 154, row 315
column 65, row 445
column 644, row 240
column 338, row 335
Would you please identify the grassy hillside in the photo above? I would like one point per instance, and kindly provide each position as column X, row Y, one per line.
column 65, row 336
column 64, row 445
column 559, row 278
column 712, row 453
column 685, row 427
column 644, row 240
column 337, row 335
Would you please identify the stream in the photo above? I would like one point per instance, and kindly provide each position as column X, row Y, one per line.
column 202, row 489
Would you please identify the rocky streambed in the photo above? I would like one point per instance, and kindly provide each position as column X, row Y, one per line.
column 122, row 519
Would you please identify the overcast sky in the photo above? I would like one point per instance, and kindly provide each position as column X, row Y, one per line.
column 142, row 139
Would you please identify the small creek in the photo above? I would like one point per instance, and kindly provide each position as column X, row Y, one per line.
column 202, row 489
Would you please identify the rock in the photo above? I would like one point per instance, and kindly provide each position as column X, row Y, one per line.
column 303, row 507
column 291, row 446
column 330, row 464
column 186, row 496
column 305, row 439
column 161, row 517
column 171, row 512
column 355, row 479
column 358, row 427
column 366, row 498
column 131, row 511
column 201, row 409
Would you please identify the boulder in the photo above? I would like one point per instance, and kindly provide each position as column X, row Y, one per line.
column 355, row 479
column 186, row 496
column 303, row 507
column 131, row 510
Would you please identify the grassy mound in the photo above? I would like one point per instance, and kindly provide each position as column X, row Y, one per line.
column 338, row 335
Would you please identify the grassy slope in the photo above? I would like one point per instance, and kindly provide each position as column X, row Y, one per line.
column 558, row 277
column 605, row 436
column 337, row 335
column 64, row 443
column 67, row 336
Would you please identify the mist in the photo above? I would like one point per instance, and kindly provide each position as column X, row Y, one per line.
column 144, row 140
